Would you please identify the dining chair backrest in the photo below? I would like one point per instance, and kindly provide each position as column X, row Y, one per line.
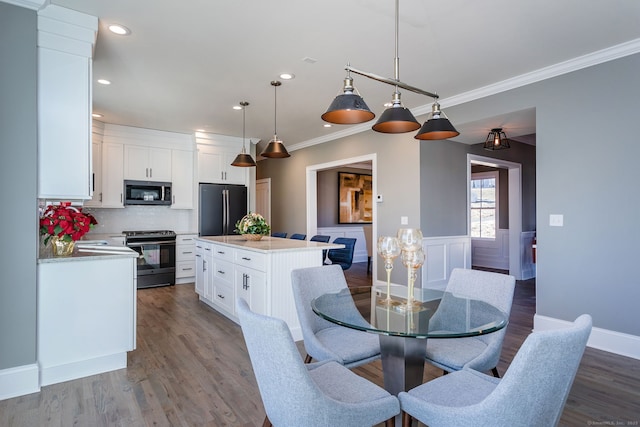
column 532, row 392
column 298, row 236
column 320, row 238
column 344, row 256
column 278, row 234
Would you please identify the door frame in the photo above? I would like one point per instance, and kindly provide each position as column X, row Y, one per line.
column 312, row 192
column 515, row 206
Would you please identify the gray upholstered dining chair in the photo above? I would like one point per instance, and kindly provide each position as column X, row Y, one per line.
column 324, row 340
column 532, row 392
column 481, row 353
column 319, row 394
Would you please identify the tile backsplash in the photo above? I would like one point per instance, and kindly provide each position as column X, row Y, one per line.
column 143, row 218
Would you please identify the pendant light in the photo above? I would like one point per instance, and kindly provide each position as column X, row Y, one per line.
column 437, row 126
column 243, row 159
column 496, row 140
column 350, row 108
column 396, row 118
column 275, row 149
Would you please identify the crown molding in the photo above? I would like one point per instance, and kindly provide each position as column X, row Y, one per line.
column 601, row 56
column 28, row 4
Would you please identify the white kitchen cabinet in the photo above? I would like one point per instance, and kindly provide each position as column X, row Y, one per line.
column 182, row 187
column 214, row 165
column 202, row 279
column 147, row 163
column 86, row 313
column 96, row 175
column 185, row 257
column 261, row 274
column 112, row 175
column 64, row 117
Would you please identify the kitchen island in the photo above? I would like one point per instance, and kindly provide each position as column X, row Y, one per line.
column 86, row 312
column 230, row 267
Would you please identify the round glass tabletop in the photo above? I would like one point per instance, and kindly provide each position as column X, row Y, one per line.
column 434, row 314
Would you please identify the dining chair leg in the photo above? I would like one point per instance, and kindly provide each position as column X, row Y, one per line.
column 391, row 422
column 495, row 372
column 307, row 359
column 266, row 422
column 445, row 372
column 406, row 419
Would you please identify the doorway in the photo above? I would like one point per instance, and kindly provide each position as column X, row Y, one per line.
column 515, row 206
column 312, row 191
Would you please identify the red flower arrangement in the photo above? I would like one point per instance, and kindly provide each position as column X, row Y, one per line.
column 66, row 222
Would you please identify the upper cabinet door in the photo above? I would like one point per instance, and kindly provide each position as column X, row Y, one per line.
column 147, row 163
column 64, row 133
column 214, row 166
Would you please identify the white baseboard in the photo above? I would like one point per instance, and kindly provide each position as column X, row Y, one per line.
column 19, row 381
column 602, row 339
column 83, row 368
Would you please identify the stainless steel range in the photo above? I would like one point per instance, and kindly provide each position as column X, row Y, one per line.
column 156, row 256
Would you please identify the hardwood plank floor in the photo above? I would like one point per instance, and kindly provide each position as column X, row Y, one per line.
column 191, row 368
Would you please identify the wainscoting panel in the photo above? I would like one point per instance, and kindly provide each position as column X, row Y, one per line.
column 443, row 255
column 360, row 251
column 491, row 253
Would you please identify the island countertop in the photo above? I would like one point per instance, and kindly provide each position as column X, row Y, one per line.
column 269, row 244
column 87, row 252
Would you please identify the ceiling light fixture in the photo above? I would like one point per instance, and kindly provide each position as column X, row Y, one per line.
column 104, row 82
column 275, row 149
column 120, row 30
column 350, row 108
column 287, row 76
column 496, row 140
column 243, row 159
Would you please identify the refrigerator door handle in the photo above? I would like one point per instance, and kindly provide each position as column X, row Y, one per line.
column 225, row 211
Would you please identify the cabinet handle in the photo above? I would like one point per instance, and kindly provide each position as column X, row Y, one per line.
column 150, row 172
column 246, row 259
column 174, row 200
column 100, row 197
column 220, row 296
column 220, row 271
column 93, row 182
column 186, row 253
column 221, row 175
column 187, row 269
column 221, row 252
column 120, row 197
column 204, row 265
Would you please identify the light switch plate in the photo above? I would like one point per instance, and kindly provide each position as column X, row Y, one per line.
column 556, row 220
column 404, row 220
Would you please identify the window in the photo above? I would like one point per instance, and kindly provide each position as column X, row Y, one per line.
column 484, row 205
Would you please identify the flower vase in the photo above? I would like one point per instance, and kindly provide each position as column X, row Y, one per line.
column 61, row 247
column 254, row 237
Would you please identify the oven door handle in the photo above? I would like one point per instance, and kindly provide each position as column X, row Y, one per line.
column 161, row 242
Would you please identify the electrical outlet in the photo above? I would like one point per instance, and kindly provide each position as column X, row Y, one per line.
column 404, row 220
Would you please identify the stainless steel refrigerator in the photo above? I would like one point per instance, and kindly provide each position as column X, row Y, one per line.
column 220, row 207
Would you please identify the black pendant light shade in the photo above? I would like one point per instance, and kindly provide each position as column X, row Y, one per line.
column 396, row 119
column 275, row 149
column 496, row 140
column 437, row 126
column 243, row 159
column 348, row 108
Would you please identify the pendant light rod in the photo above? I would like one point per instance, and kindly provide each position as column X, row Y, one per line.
column 275, row 85
column 396, row 61
column 391, row 82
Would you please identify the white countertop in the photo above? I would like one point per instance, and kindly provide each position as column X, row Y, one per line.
column 269, row 244
column 88, row 252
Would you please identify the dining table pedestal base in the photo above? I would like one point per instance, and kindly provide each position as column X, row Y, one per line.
column 403, row 361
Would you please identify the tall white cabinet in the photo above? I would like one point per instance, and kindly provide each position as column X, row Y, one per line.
column 65, row 47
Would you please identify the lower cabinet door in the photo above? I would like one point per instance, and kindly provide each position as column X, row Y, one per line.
column 251, row 286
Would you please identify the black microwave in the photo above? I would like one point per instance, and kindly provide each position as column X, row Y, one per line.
column 147, row 193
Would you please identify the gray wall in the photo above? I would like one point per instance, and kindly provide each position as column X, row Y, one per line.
column 583, row 171
column 18, row 120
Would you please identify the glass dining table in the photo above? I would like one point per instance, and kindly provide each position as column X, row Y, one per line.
column 404, row 328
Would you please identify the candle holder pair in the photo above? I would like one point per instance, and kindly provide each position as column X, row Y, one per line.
column 408, row 245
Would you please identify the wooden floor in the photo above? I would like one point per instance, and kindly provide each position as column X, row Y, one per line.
column 191, row 368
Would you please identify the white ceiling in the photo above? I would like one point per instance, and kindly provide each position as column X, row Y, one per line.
column 187, row 63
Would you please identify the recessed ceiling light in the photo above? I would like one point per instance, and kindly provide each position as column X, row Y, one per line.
column 287, row 76
column 237, row 107
column 121, row 30
column 104, row 82
column 200, row 130
column 96, row 115
column 327, row 125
